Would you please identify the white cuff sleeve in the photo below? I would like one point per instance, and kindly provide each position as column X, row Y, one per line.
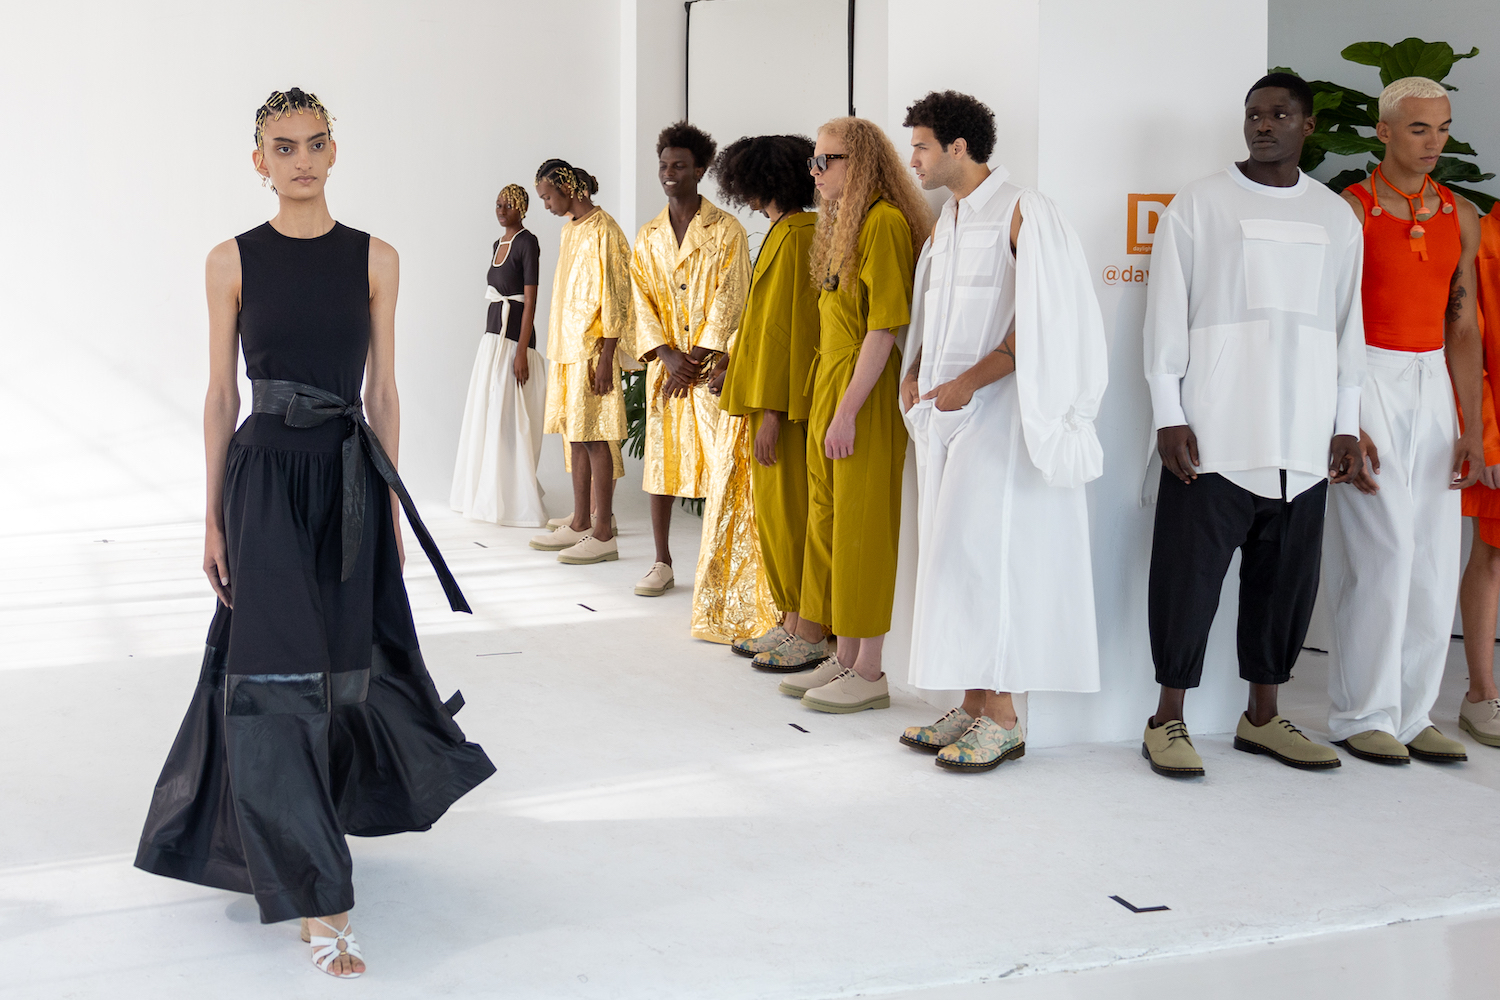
column 1346, row 419
column 1166, row 401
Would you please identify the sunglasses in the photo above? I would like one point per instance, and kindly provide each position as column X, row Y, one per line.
column 821, row 161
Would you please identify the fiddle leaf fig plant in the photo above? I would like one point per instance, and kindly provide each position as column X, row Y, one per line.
column 1347, row 117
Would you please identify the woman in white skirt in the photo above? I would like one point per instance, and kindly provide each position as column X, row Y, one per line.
column 494, row 478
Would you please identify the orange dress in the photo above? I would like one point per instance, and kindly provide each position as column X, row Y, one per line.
column 1479, row 500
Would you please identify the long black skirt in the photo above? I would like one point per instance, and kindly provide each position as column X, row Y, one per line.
column 314, row 716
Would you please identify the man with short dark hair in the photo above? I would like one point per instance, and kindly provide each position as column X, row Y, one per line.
column 690, row 273
column 1006, row 367
column 1255, row 359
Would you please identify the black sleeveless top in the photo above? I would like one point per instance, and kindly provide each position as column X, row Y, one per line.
column 304, row 317
column 519, row 269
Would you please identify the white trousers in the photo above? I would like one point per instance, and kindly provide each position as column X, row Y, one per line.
column 1391, row 560
column 1005, row 585
column 494, row 476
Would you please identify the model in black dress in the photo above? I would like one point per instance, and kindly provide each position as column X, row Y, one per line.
column 314, row 716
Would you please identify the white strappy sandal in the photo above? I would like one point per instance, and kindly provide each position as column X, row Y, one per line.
column 328, row 950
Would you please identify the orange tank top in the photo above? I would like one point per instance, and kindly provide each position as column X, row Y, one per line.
column 1408, row 279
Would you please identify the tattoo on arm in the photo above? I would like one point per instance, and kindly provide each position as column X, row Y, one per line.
column 1006, row 350
column 1456, row 295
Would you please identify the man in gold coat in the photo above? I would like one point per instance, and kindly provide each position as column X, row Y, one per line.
column 689, row 276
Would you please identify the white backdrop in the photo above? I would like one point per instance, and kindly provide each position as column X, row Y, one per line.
column 130, row 128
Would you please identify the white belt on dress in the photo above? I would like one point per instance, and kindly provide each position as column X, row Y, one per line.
column 491, row 294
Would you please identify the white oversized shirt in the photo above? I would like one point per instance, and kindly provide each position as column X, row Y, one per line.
column 1254, row 333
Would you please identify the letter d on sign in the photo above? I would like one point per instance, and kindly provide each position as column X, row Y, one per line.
column 1143, row 212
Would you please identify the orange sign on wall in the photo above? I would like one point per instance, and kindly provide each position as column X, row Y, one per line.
column 1143, row 212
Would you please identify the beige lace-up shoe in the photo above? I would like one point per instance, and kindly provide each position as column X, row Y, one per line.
column 941, row 733
column 761, row 643
column 558, row 522
column 848, row 693
column 1170, row 750
column 560, row 538
column 1376, row 746
column 1432, row 746
column 589, row 550
column 656, row 582
column 1481, row 720
column 984, row 746
column 824, row 672
column 1284, row 741
column 795, row 654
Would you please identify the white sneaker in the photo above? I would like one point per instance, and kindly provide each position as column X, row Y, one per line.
column 559, row 539
column 657, row 582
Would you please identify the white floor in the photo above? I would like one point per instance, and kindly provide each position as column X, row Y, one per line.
column 663, row 824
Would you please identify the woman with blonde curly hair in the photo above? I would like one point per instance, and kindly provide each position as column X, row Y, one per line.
column 872, row 221
column 500, row 441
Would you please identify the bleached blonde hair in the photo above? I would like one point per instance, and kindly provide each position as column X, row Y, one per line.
column 1408, row 86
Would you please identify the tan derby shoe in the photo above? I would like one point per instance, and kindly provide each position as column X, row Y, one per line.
column 558, row 522
column 1284, row 741
column 589, row 550
column 825, row 671
column 559, row 538
column 1170, row 750
column 984, row 746
column 1376, row 746
column 848, row 693
column 1480, row 719
column 1433, row 747
column 657, row 582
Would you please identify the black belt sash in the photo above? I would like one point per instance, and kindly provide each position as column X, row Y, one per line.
column 308, row 406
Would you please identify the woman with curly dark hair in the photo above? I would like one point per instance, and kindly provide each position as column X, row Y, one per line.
column 766, row 379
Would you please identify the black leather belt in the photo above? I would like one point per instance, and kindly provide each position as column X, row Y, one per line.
column 308, row 406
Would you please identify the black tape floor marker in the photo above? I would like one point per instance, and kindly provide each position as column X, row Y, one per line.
column 797, row 727
column 481, row 545
column 513, row 652
column 586, row 607
column 1139, row 909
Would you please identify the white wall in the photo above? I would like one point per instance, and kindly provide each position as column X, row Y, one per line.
column 1307, row 35
column 130, row 129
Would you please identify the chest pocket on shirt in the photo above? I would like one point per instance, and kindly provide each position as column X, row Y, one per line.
column 977, row 249
column 1283, row 264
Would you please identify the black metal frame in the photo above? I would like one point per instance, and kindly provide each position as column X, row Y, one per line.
column 687, row 7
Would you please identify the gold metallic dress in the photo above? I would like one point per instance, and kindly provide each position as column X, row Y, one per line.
column 591, row 303
column 731, row 593
column 686, row 296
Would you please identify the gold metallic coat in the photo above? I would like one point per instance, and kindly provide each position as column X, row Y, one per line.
column 685, row 296
column 591, row 303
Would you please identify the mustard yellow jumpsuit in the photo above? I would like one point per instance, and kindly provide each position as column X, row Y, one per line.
column 854, row 504
column 768, row 369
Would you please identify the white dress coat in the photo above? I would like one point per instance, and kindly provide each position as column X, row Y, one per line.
column 1004, row 578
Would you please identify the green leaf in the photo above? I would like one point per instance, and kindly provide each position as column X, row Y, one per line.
column 1449, row 169
column 1327, row 100
column 1485, row 202
column 1346, row 143
column 1459, row 148
column 1366, row 53
column 1312, row 157
column 1345, row 178
column 1415, row 57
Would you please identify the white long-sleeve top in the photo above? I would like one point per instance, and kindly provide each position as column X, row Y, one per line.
column 1254, row 333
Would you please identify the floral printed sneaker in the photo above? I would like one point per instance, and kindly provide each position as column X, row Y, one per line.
column 795, row 654
column 941, row 733
column 984, row 746
column 762, row 643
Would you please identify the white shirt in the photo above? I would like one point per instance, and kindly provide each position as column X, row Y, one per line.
column 1254, row 332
